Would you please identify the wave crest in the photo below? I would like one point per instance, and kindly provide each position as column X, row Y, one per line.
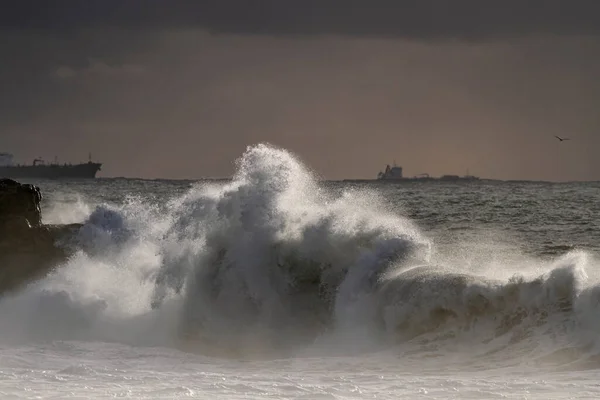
column 272, row 261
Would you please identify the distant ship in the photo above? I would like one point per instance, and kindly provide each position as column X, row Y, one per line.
column 40, row 169
column 394, row 173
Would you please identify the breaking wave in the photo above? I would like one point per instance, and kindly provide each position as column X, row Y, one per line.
column 274, row 263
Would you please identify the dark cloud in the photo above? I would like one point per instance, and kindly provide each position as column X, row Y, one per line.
column 418, row 19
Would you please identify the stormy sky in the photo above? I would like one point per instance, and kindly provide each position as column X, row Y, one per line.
column 178, row 89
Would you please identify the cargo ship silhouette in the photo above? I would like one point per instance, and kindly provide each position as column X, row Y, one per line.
column 40, row 169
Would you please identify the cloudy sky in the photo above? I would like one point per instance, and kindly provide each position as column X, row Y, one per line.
column 178, row 89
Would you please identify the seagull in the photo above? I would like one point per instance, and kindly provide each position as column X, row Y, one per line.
column 561, row 139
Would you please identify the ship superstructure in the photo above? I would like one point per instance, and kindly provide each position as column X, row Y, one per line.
column 394, row 172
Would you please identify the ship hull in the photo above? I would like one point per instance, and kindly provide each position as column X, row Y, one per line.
column 84, row 171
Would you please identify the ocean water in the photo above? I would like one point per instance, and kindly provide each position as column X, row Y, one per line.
column 276, row 285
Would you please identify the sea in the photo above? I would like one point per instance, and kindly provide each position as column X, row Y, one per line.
column 278, row 284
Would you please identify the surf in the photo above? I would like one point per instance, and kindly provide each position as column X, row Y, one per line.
column 273, row 263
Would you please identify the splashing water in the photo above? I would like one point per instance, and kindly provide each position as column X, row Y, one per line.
column 273, row 263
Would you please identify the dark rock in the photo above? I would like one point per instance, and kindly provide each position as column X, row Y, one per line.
column 20, row 200
column 28, row 249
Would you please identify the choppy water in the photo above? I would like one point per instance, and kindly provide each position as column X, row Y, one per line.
column 275, row 285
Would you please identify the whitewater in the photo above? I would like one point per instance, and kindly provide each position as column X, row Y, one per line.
column 276, row 284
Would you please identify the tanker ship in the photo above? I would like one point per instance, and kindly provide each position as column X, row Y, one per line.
column 40, row 169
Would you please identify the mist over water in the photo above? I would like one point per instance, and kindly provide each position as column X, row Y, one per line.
column 277, row 265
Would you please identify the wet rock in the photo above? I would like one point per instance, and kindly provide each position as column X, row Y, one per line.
column 20, row 200
column 28, row 249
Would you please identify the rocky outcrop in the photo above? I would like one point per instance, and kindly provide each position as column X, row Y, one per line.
column 20, row 201
column 28, row 248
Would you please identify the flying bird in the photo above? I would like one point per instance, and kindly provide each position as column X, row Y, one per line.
column 561, row 139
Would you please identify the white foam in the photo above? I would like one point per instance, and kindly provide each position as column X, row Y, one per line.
column 272, row 261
